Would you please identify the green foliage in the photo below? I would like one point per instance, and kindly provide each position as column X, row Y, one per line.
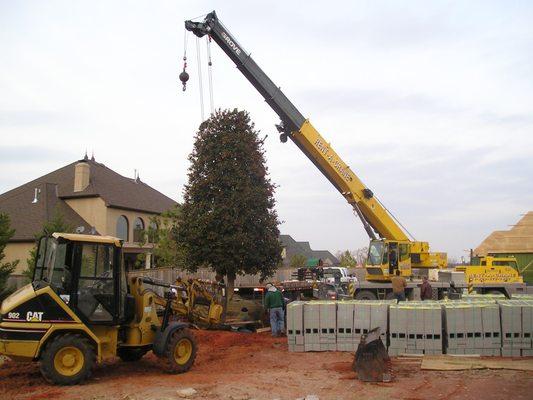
column 6, row 269
column 162, row 232
column 298, row 261
column 228, row 220
column 353, row 258
column 167, row 252
column 347, row 259
column 56, row 224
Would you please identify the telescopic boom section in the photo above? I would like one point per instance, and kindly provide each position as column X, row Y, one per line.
column 294, row 125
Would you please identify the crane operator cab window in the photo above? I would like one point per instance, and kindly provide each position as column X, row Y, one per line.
column 393, row 257
column 378, row 253
column 53, row 266
column 96, row 300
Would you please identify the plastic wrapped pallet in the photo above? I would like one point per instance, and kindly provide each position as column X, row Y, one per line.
column 295, row 326
column 361, row 319
column 455, row 327
column 345, row 324
column 517, row 329
column 398, row 317
column 312, row 326
column 328, row 326
column 527, row 327
column 491, row 329
column 511, row 323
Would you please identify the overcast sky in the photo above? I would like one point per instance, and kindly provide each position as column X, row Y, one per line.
column 430, row 103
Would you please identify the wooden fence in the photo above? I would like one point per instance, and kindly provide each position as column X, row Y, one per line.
column 169, row 275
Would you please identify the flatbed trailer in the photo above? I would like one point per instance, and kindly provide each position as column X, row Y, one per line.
column 366, row 290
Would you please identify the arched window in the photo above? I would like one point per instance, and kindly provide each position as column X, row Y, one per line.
column 123, row 228
column 152, row 232
column 138, row 230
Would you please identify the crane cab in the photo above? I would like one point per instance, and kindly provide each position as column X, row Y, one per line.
column 387, row 256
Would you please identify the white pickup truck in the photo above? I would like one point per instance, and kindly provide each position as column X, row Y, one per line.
column 331, row 274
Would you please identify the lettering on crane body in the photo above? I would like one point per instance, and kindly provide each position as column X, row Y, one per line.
column 335, row 163
column 231, row 43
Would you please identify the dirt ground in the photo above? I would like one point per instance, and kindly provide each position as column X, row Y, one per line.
column 239, row 366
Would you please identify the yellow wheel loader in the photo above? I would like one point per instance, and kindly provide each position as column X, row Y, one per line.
column 80, row 309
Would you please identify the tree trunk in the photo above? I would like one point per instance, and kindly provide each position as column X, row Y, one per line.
column 230, row 285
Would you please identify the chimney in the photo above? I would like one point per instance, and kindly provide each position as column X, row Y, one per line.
column 82, row 171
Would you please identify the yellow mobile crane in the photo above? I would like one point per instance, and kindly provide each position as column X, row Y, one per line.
column 390, row 247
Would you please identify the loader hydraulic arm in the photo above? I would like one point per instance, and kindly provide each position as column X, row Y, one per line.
column 295, row 126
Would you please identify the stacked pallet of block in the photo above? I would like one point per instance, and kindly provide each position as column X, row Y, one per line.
column 334, row 326
column 472, row 327
column 311, row 326
column 517, row 327
column 415, row 328
column 357, row 318
column 488, row 325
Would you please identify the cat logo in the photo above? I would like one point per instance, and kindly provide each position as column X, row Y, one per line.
column 34, row 316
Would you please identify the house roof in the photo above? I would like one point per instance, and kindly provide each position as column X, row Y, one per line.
column 27, row 217
column 292, row 248
column 518, row 239
column 116, row 190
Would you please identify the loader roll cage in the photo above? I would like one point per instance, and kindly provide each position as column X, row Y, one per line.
column 87, row 276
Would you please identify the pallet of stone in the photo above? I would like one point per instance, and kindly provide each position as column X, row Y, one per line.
column 517, row 329
column 415, row 328
column 312, row 326
column 295, row 326
column 491, row 329
column 328, row 326
column 345, row 326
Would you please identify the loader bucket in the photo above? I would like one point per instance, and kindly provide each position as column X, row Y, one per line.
column 371, row 360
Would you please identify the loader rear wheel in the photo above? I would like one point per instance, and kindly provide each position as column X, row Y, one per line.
column 67, row 359
column 181, row 351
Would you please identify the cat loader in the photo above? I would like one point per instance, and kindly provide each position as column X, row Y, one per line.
column 80, row 309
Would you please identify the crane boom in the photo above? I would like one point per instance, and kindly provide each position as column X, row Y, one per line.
column 295, row 126
column 393, row 251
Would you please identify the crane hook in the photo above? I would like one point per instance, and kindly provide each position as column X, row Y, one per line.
column 184, row 76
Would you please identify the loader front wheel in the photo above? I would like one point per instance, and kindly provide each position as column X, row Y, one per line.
column 67, row 360
column 181, row 351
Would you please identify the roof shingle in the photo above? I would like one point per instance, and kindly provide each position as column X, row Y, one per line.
column 116, row 190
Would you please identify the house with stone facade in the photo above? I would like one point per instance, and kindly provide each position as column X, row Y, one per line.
column 93, row 199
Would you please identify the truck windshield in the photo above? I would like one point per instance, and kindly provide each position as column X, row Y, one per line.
column 375, row 253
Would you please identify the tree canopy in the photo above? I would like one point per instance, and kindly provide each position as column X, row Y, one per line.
column 346, row 259
column 162, row 232
column 228, row 220
column 298, row 261
column 6, row 269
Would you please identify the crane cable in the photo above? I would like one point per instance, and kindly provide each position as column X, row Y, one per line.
column 394, row 217
column 199, row 61
column 210, row 74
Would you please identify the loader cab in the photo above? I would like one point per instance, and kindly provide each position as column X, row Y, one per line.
column 87, row 273
column 385, row 257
